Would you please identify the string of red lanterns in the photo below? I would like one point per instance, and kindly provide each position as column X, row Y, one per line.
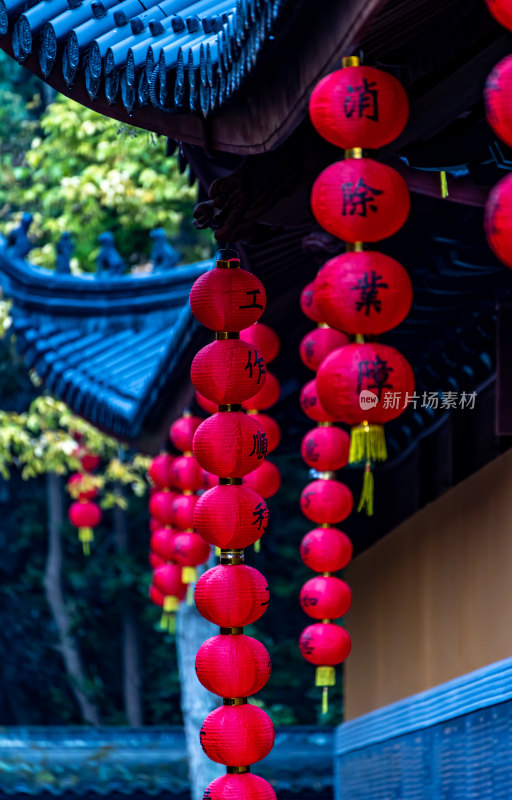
column 84, row 513
column 497, row 95
column 361, row 293
column 325, row 501
column 231, row 516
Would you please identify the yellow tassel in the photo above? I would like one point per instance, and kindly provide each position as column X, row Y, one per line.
column 168, row 622
column 325, row 676
column 86, row 536
column 257, row 546
column 366, row 499
column 325, row 700
column 188, row 574
column 190, row 594
column 170, row 603
column 367, row 443
column 217, row 552
column 444, row 184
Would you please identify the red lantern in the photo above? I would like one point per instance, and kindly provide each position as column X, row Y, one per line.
column 498, row 220
column 161, row 543
column 189, row 550
column 359, row 107
column 81, row 486
column 267, row 396
column 160, row 507
column 311, row 405
column 326, row 549
column 181, row 432
column 230, row 444
column 160, row 471
column 354, row 382
column 183, row 511
column 265, row 481
column 228, row 371
column 186, row 474
column 85, row 516
column 167, row 581
column 326, row 501
column 209, row 480
column 308, row 304
column 318, row 343
column 366, row 293
column 325, row 597
column 231, row 517
column 271, row 428
column 206, row 405
column 233, row 666
column 154, row 524
column 360, row 200
column 501, row 11
column 324, row 644
column 89, row 461
column 227, row 299
column 155, row 561
column 232, row 596
column 245, row 786
column 497, row 96
column 326, row 448
column 264, row 339
column 237, row 735
column 155, row 596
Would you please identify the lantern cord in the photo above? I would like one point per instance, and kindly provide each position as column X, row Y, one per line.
column 366, row 499
column 444, row 184
column 325, row 700
column 257, row 546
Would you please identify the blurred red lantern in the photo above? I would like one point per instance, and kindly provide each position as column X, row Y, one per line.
column 231, row 517
column 326, row 501
column 308, row 304
column 155, row 596
column 233, row 666
column 206, row 405
column 237, row 735
column 355, row 381
column 167, row 581
column 267, row 396
column 264, row 339
column 187, row 474
column 181, row 432
column 265, row 481
column 324, row 644
column 318, row 343
column 498, row 96
column 326, row 448
column 189, row 550
column 311, row 405
column 227, row 299
column 498, row 220
column 501, row 11
column 89, row 461
column 155, row 561
column 160, row 471
column 237, row 787
column 209, row 480
column 366, row 293
column 161, row 543
column 230, row 444
column 160, row 507
column 81, row 486
column 228, row 371
column 232, row 596
column 154, row 524
column 183, row 511
column 85, row 516
column 326, row 549
column 325, row 597
column 359, row 107
column 360, row 200
column 271, row 428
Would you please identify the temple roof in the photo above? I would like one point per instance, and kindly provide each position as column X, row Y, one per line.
column 113, row 348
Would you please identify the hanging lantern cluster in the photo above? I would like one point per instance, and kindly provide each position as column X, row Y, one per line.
column 497, row 96
column 266, row 480
column 231, row 516
column 326, row 502
column 362, row 293
column 82, row 487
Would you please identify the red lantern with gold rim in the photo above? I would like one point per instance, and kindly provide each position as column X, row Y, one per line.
column 228, row 371
column 230, row 444
column 228, row 299
column 233, row 666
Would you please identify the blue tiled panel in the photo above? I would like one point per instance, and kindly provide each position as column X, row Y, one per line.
column 451, row 743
